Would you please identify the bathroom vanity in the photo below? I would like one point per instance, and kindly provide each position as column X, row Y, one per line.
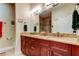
column 41, row 45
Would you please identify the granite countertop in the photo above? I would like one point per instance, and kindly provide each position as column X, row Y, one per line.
column 67, row 40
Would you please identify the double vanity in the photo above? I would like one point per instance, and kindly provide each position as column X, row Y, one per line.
column 49, row 45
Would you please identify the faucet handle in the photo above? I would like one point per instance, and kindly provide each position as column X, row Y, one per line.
column 58, row 34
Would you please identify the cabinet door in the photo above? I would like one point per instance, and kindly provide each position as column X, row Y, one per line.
column 75, row 50
column 27, row 49
column 44, row 51
column 44, row 46
column 60, row 49
column 23, row 44
column 35, row 50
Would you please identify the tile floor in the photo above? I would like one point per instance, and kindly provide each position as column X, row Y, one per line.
column 10, row 53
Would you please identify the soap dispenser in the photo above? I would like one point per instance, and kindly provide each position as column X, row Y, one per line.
column 35, row 28
column 25, row 26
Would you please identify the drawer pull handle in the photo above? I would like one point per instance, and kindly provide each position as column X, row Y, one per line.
column 32, row 47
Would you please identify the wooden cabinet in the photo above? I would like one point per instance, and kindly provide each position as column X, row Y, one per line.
column 23, row 44
column 39, row 47
column 44, row 46
column 60, row 49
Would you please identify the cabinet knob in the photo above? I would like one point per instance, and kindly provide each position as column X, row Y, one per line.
column 32, row 47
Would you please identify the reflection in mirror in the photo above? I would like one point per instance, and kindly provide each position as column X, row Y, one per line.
column 45, row 22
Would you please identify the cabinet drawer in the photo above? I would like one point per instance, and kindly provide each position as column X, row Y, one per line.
column 58, row 48
column 44, row 43
column 34, row 41
column 60, row 45
column 60, row 51
column 35, row 50
column 58, row 54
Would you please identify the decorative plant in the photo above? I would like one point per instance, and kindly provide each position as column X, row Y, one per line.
column 75, row 22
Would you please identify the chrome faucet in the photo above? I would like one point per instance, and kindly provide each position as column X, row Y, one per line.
column 58, row 34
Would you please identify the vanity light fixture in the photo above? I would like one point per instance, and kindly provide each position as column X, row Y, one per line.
column 48, row 4
column 36, row 10
column 51, row 4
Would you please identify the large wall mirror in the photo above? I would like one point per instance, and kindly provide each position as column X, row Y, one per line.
column 58, row 19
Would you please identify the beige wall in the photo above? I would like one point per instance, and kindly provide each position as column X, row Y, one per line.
column 7, row 13
column 34, row 21
column 22, row 12
column 35, row 18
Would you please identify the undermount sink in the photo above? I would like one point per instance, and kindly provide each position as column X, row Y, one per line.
column 34, row 33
